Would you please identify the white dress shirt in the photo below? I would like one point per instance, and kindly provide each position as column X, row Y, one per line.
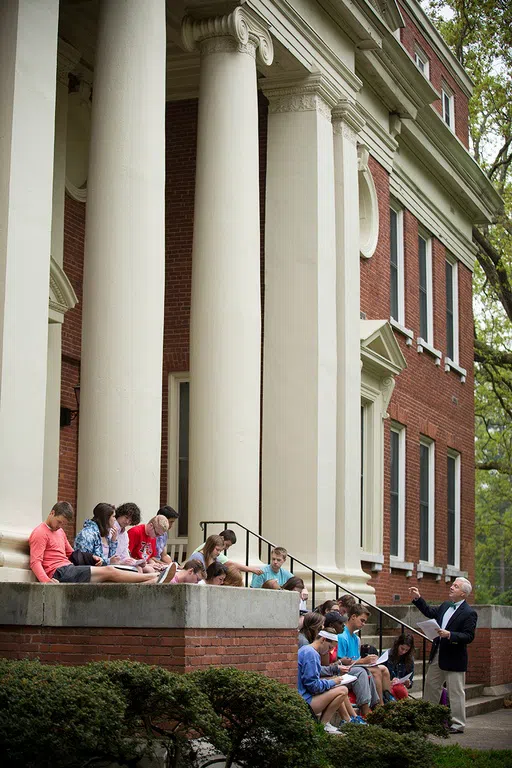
column 449, row 613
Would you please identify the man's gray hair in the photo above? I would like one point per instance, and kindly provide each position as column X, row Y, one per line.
column 465, row 585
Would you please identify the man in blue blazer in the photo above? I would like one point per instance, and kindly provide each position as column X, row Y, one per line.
column 449, row 655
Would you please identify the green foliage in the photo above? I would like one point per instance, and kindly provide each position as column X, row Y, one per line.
column 56, row 716
column 455, row 756
column 372, row 747
column 412, row 716
column 267, row 722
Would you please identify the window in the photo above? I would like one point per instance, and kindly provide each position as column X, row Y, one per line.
column 448, row 103
column 421, row 60
column 397, row 491
column 178, row 451
column 453, row 507
column 397, row 265
column 452, row 311
column 425, row 264
column 427, row 501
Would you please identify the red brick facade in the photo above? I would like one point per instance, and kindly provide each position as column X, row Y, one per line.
column 410, row 36
column 179, row 650
column 426, row 399
column 490, row 660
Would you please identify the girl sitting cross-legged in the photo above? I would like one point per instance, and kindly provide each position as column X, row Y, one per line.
column 400, row 663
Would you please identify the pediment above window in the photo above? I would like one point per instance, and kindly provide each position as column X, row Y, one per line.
column 62, row 296
column 380, row 352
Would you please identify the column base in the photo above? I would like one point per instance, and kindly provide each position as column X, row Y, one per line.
column 14, row 556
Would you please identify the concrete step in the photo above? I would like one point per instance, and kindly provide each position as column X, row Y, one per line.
column 480, row 705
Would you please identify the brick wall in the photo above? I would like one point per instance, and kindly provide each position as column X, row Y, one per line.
column 409, row 36
column 490, row 660
column 426, row 400
column 272, row 652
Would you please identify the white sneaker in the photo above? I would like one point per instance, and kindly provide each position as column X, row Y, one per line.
column 328, row 728
column 167, row 574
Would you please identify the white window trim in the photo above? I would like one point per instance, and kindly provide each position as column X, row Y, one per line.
column 455, row 300
column 173, row 433
column 447, row 91
column 449, row 365
column 456, row 455
column 430, row 444
column 419, row 54
column 409, row 335
column 400, row 429
column 430, row 294
column 400, row 262
column 424, row 346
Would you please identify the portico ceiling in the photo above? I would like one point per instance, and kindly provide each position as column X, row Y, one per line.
column 78, row 27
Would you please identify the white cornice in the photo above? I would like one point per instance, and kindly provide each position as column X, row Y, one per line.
column 449, row 160
column 435, row 39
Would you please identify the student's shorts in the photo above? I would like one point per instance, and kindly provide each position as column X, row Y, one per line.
column 73, row 574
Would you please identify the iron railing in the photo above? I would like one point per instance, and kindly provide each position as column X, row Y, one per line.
column 318, row 575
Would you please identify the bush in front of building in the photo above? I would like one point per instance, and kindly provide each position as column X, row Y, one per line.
column 374, row 747
column 412, row 716
column 267, row 722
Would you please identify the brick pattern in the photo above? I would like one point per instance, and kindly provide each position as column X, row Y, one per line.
column 410, row 35
column 426, row 400
column 490, row 660
column 179, row 650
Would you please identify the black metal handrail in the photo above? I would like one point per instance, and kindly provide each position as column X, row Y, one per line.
column 314, row 574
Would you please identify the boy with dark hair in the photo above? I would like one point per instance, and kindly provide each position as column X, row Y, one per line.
column 50, row 551
column 127, row 514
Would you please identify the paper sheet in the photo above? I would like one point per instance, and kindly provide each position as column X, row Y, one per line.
column 429, row 628
column 380, row 660
column 346, row 679
column 403, row 679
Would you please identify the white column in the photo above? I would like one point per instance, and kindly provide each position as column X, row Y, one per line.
column 346, row 124
column 122, row 333
column 225, row 334
column 28, row 60
column 299, row 367
column 67, row 58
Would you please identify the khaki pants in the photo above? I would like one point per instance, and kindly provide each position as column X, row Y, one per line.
column 455, row 686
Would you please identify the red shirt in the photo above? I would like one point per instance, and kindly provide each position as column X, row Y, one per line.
column 142, row 546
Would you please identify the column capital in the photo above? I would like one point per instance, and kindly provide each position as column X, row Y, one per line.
column 240, row 31
column 347, row 120
column 67, row 59
column 312, row 94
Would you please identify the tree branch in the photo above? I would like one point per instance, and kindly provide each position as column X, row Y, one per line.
column 490, row 355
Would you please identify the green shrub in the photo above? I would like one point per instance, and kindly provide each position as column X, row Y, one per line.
column 56, row 716
column 412, row 716
column 267, row 722
column 373, row 747
column 455, row 756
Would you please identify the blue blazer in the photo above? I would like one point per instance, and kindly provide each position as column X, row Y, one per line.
column 453, row 653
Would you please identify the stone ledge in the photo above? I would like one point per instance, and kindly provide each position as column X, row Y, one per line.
column 171, row 606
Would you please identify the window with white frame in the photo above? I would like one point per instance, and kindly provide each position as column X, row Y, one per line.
column 397, row 265
column 397, row 492
column 453, row 508
column 178, row 448
column 425, row 265
column 421, row 60
column 427, row 500
column 448, row 103
column 452, row 311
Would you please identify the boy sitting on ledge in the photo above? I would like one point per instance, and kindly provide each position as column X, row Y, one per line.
column 275, row 570
column 50, row 551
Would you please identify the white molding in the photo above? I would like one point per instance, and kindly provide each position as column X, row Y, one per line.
column 457, row 458
column 400, row 430
column 430, row 444
column 449, row 365
column 430, row 293
column 401, row 565
column 447, row 93
column 369, row 235
column 439, row 225
column 409, row 335
column 400, row 260
column 423, row 345
column 454, row 573
column 455, row 300
column 422, row 568
column 61, row 293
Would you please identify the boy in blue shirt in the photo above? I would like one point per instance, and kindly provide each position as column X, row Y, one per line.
column 275, row 570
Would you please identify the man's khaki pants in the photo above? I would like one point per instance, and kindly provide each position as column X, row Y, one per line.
column 455, row 686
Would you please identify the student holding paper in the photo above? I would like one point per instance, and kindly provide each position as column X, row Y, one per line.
column 400, row 664
column 449, row 655
column 349, row 645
